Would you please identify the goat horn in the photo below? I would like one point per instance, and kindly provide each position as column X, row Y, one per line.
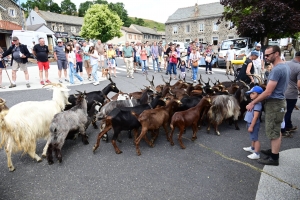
column 201, row 79
column 258, row 78
column 152, row 78
column 147, row 78
column 229, row 78
column 171, row 93
column 79, row 92
column 163, row 78
column 2, row 102
column 245, row 84
column 53, row 84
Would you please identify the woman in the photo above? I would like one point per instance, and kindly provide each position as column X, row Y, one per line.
column 148, row 49
column 111, row 62
column 1, row 67
column 79, row 54
column 208, row 58
column 165, row 55
column 143, row 56
column 194, row 59
column 172, row 62
column 71, row 58
column 178, row 54
column 94, row 63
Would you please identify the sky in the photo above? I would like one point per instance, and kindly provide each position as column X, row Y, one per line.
column 157, row 10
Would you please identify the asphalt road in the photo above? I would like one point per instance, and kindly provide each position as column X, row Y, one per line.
column 212, row 167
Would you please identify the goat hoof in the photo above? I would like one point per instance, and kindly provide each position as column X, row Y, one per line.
column 172, row 143
column 218, row 133
column 44, row 155
column 60, row 160
column 151, row 145
column 119, row 152
column 208, row 131
column 237, row 128
column 50, row 162
column 138, row 153
column 194, row 138
column 11, row 168
column 120, row 141
column 86, row 142
column 183, row 147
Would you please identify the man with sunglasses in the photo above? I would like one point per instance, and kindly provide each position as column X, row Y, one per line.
column 60, row 57
column 275, row 106
column 19, row 59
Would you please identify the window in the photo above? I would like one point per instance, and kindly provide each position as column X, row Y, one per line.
column 135, row 37
column 215, row 40
column 188, row 40
column 32, row 18
column 187, row 28
column 174, row 40
column 230, row 37
column 175, row 29
column 54, row 28
column 73, row 29
column 215, row 27
column 201, row 27
column 12, row 12
column 201, row 40
column 61, row 28
column 230, row 24
column 129, row 36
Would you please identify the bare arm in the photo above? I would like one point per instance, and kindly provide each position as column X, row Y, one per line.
column 298, row 85
column 248, row 71
column 55, row 56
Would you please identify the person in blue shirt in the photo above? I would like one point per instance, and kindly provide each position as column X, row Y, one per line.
column 253, row 123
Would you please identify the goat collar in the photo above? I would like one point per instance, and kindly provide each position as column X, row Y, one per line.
column 150, row 105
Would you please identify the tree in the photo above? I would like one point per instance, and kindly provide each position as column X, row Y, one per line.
column 260, row 19
column 83, row 7
column 68, row 7
column 55, row 8
column 139, row 21
column 119, row 9
column 101, row 23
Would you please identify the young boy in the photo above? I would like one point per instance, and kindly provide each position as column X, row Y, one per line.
column 253, row 123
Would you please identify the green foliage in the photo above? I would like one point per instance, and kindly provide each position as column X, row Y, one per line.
column 83, row 7
column 139, row 21
column 68, row 7
column 101, row 23
column 150, row 24
column 55, row 8
column 119, row 9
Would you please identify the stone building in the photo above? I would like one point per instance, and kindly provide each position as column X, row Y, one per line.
column 11, row 18
column 201, row 22
column 64, row 26
column 149, row 34
column 128, row 34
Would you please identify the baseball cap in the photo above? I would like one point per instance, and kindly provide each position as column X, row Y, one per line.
column 254, row 53
column 59, row 40
column 15, row 38
column 258, row 45
column 256, row 89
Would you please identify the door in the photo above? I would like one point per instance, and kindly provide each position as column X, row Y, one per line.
column 2, row 41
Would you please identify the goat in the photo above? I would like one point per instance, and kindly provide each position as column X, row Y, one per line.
column 223, row 107
column 26, row 122
column 186, row 118
column 153, row 119
column 74, row 119
column 122, row 119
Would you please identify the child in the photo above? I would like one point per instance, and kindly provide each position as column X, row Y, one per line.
column 253, row 123
column 182, row 67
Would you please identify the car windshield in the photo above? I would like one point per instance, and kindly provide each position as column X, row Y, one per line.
column 237, row 44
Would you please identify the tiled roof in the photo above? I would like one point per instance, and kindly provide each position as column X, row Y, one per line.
column 204, row 11
column 130, row 30
column 145, row 29
column 59, row 18
column 7, row 25
column 34, row 27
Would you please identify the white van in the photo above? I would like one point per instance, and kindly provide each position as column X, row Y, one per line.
column 241, row 46
column 30, row 37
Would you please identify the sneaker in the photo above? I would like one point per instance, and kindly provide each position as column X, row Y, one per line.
column 254, row 156
column 47, row 81
column 12, row 85
column 127, row 76
column 195, row 81
column 27, row 85
column 90, row 79
column 42, row 83
column 66, row 80
column 294, row 128
column 268, row 161
column 286, row 134
column 96, row 83
column 81, row 82
column 2, row 87
column 249, row 149
column 267, row 152
column 132, row 77
column 60, row 81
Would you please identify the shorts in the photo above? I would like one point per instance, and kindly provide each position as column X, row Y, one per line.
column 111, row 63
column 101, row 58
column 62, row 64
column 159, row 59
column 254, row 134
column 78, row 66
column 87, row 63
column 43, row 65
column 15, row 66
column 138, row 59
column 275, row 110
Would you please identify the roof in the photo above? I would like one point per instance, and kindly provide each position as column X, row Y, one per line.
column 204, row 11
column 144, row 29
column 130, row 30
column 66, row 19
column 34, row 27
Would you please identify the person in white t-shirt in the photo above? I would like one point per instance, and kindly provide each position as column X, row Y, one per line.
column 259, row 62
column 230, row 56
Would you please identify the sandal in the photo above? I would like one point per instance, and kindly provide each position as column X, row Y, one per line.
column 2, row 87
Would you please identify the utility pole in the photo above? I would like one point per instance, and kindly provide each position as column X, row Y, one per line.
column 21, row 13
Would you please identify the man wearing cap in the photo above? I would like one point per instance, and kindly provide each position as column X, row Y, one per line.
column 291, row 94
column 230, row 56
column 275, row 105
column 248, row 69
column 60, row 57
column 20, row 55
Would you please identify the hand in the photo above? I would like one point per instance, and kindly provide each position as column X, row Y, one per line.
column 250, row 129
column 249, row 107
column 23, row 56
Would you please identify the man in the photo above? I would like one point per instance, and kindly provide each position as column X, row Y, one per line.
column 61, row 59
column 40, row 51
column 160, row 53
column 248, row 69
column 137, row 54
column 128, row 55
column 100, row 49
column 188, row 52
column 168, row 54
column 275, row 106
column 230, row 56
column 20, row 55
column 291, row 94
column 155, row 55
column 86, row 60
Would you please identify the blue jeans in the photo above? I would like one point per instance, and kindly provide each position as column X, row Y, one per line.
column 290, row 105
column 138, row 59
column 72, row 72
column 94, row 72
column 144, row 65
column 195, row 73
column 208, row 65
column 158, row 66
column 172, row 67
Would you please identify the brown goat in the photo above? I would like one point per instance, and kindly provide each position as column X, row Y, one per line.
column 186, row 118
column 152, row 120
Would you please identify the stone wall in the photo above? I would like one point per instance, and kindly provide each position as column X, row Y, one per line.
column 12, row 12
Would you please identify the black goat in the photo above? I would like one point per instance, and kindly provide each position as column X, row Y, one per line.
column 122, row 119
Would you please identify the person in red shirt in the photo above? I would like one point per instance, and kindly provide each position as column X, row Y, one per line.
column 78, row 54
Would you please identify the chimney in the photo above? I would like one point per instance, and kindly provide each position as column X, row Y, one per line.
column 155, row 28
column 36, row 9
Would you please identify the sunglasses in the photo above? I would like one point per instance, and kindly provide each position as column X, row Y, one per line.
column 267, row 55
column 58, row 42
column 15, row 40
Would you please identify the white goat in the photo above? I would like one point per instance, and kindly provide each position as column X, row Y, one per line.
column 24, row 123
